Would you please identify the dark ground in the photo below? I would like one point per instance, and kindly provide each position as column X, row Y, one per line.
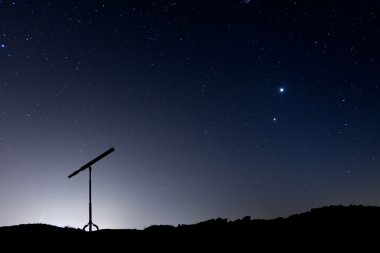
column 321, row 229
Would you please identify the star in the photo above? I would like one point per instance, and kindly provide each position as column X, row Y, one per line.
column 281, row 89
column 274, row 119
column 2, row 45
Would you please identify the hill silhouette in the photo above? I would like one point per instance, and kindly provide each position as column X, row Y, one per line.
column 341, row 227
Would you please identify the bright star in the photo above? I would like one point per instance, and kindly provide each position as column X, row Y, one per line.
column 2, row 45
column 274, row 119
column 281, row 90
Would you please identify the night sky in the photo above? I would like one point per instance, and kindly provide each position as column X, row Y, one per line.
column 215, row 109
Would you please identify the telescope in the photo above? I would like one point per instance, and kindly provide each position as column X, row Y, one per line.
column 84, row 167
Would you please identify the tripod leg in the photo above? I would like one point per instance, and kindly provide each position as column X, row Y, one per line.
column 97, row 228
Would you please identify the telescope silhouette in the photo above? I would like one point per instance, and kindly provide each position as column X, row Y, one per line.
column 84, row 167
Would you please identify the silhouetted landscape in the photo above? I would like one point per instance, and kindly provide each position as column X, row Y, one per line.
column 320, row 228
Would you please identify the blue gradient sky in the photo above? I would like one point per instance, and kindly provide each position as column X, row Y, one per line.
column 188, row 93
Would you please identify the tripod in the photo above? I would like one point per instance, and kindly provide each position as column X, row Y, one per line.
column 90, row 224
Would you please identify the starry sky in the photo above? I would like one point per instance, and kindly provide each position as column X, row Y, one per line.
column 215, row 109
